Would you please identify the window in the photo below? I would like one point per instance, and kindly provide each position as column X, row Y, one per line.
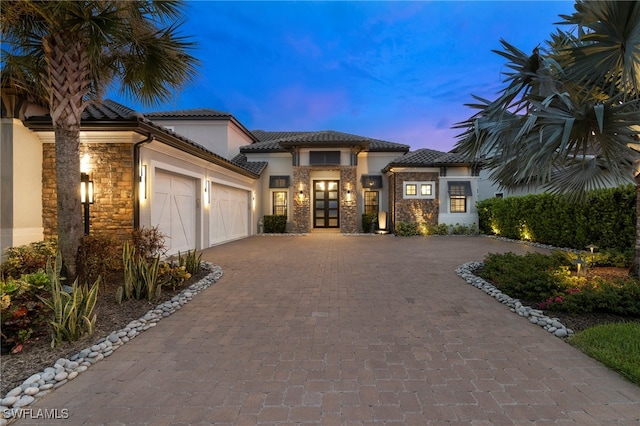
column 279, row 203
column 371, row 204
column 458, row 204
column 424, row 190
column 458, row 193
column 324, row 157
column 278, row 181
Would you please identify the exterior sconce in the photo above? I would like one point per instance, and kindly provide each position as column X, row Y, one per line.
column 301, row 195
column 143, row 182
column 207, row 192
column 86, row 197
column 349, row 197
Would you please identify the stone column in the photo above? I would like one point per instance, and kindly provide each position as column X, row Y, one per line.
column 301, row 200
column 348, row 209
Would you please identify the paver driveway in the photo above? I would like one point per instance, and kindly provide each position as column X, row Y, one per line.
column 331, row 329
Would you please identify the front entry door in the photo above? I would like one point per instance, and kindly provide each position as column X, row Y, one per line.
column 326, row 204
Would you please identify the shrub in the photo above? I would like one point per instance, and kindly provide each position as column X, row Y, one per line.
column 607, row 218
column 173, row 275
column 98, row 255
column 141, row 276
column 22, row 314
column 148, row 243
column 621, row 297
column 275, row 224
column 407, row 229
column 73, row 315
column 533, row 277
column 28, row 258
column 191, row 262
column 369, row 222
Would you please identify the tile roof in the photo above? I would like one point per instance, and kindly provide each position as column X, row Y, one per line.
column 110, row 111
column 276, row 141
column 189, row 113
column 428, row 157
column 256, row 167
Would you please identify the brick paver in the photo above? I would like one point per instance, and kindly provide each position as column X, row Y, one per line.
column 353, row 330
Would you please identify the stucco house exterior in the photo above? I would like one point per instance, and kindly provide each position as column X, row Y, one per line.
column 204, row 179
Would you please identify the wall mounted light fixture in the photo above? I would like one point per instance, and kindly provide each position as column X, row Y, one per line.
column 86, row 197
column 207, row 192
column 143, row 182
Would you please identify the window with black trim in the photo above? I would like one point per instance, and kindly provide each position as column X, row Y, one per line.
column 278, row 181
column 458, row 204
column 279, row 202
column 371, row 201
column 324, row 157
column 423, row 190
column 458, row 193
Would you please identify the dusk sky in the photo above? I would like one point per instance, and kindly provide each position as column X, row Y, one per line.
column 398, row 71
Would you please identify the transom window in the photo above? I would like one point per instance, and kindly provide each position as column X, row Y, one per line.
column 424, row 190
column 324, row 157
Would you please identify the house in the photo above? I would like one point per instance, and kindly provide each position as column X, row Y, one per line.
column 204, row 179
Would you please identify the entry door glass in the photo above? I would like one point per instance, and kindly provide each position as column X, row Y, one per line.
column 326, row 204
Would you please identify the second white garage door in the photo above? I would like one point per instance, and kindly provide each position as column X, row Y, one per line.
column 229, row 214
column 174, row 210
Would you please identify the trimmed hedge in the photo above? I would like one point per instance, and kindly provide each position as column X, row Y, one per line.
column 275, row 224
column 607, row 219
column 369, row 222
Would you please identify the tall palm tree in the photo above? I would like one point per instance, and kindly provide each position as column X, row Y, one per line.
column 568, row 117
column 68, row 53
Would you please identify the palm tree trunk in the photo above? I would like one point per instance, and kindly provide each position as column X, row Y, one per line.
column 68, row 71
column 69, row 208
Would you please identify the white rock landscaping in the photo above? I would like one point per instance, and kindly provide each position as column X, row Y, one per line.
column 535, row 316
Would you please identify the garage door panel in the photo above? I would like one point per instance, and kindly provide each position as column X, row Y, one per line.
column 229, row 214
column 173, row 210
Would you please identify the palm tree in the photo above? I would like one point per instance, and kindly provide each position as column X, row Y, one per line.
column 66, row 54
column 568, row 117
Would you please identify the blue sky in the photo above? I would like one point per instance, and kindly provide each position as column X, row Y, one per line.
column 398, row 71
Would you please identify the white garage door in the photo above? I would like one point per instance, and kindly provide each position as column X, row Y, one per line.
column 174, row 210
column 229, row 214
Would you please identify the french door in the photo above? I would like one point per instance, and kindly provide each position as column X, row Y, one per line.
column 326, row 212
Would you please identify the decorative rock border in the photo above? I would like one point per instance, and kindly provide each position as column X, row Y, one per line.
column 535, row 316
column 63, row 370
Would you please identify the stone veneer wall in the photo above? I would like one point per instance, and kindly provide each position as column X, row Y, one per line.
column 111, row 168
column 415, row 210
column 348, row 211
column 301, row 208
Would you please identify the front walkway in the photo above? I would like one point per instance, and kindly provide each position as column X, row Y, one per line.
column 347, row 330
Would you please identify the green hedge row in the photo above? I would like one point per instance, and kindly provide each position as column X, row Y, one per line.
column 607, row 219
column 275, row 224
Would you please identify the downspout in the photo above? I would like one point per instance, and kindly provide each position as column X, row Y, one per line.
column 136, row 179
